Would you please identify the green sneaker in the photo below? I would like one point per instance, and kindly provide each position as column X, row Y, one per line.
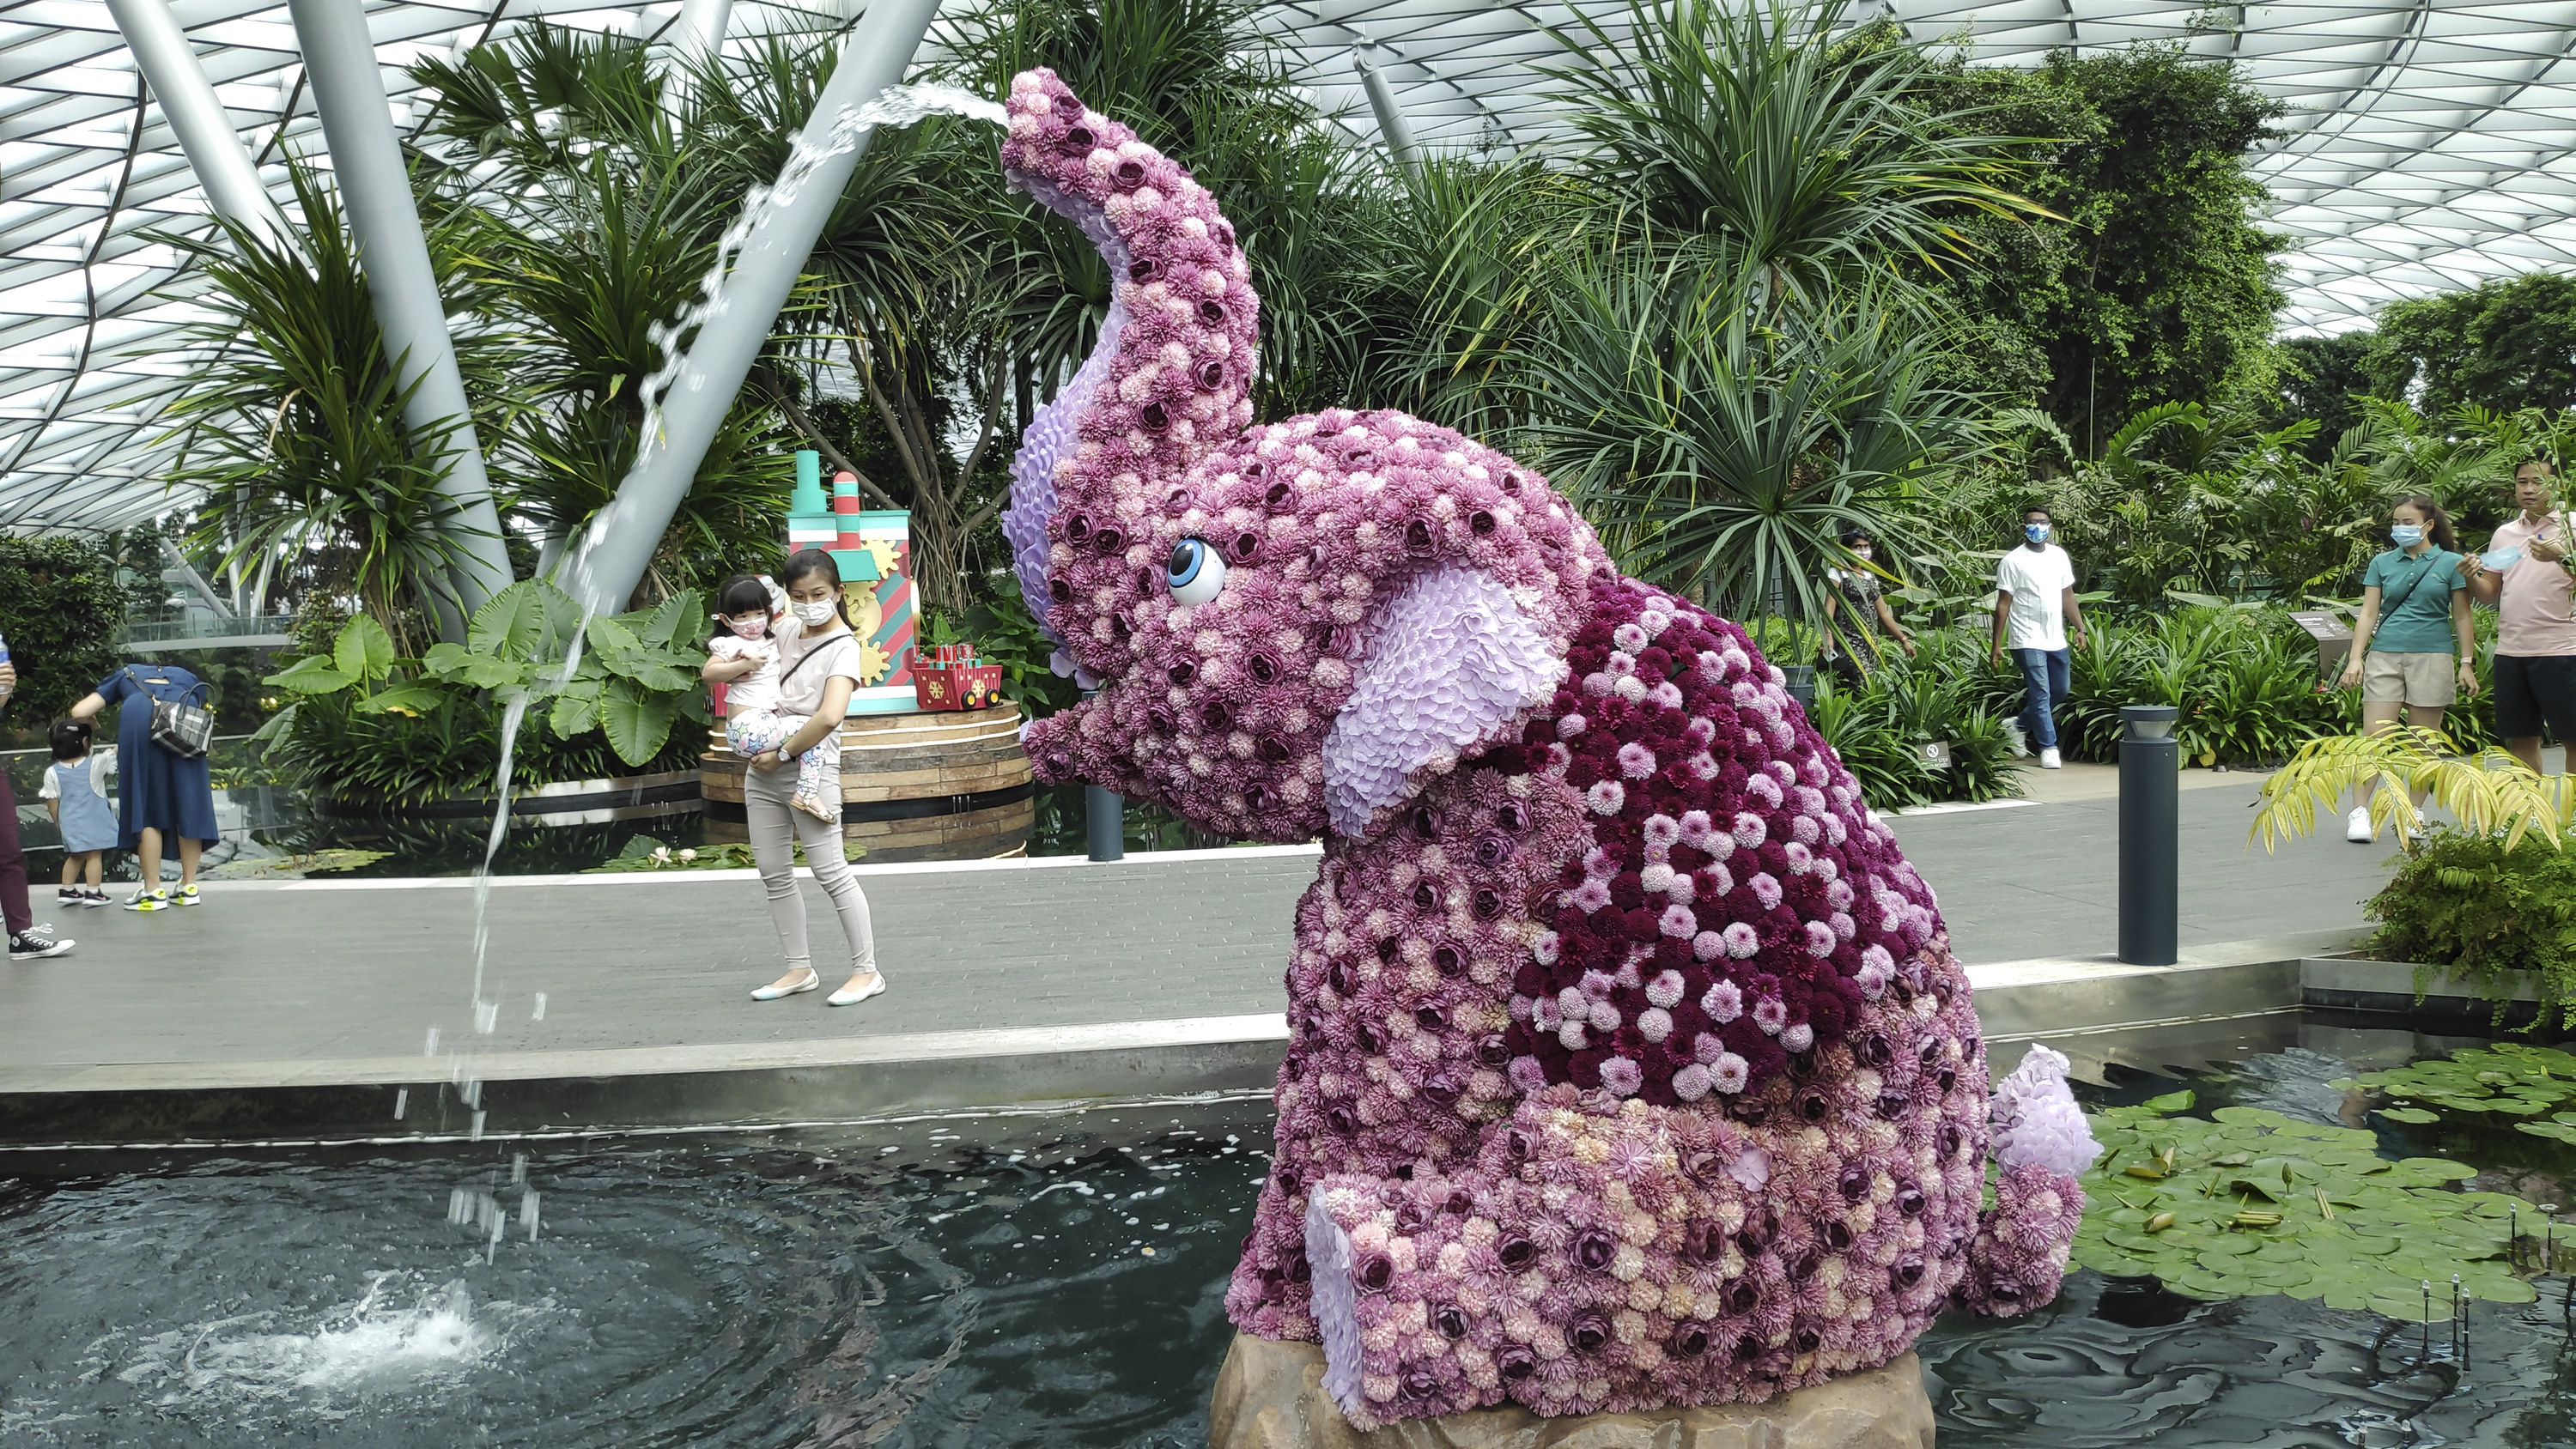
column 143, row 900
column 186, row 896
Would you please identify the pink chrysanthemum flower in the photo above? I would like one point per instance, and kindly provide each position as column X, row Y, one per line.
column 1729, row 1073
column 1750, row 829
column 1622, row 1076
column 1654, row 1023
column 1665, row 989
column 1798, row 1038
column 1636, row 761
column 1605, row 797
column 1571, row 725
column 1723, row 1002
column 1679, row 923
column 1765, row 889
column 1707, row 946
column 1742, row 941
column 1691, row 1083
column 1820, row 939
column 1770, row 1014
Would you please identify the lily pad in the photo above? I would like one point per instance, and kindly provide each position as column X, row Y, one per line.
column 2409, row 1114
column 2248, row 1202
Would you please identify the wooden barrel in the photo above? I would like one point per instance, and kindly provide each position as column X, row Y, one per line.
column 924, row 786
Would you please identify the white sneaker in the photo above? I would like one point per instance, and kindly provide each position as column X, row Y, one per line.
column 2357, row 827
column 2051, row 760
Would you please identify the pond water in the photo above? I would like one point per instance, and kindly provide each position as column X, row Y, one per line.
column 824, row 1290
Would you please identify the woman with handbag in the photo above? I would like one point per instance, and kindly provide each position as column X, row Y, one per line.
column 164, row 789
column 2414, row 606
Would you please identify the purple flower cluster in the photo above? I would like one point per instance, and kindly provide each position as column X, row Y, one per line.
column 1629, row 1063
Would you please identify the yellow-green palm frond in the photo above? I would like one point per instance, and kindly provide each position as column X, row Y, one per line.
column 2489, row 793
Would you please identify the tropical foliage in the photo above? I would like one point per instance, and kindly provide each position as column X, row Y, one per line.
column 2498, row 913
column 373, row 728
column 60, row 607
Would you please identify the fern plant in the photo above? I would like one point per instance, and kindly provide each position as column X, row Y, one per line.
column 2486, row 912
column 2491, row 794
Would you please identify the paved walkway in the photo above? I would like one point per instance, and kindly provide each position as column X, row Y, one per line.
column 321, row 970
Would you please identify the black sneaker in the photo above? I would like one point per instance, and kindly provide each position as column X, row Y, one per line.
column 69, row 896
column 35, row 944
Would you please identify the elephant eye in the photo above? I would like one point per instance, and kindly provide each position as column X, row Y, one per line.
column 1195, row 573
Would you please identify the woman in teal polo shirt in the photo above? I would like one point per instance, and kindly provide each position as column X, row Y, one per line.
column 2414, row 611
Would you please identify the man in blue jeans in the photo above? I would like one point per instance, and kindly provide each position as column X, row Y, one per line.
column 2035, row 611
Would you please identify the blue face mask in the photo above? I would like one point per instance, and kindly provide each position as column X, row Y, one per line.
column 2406, row 535
column 2035, row 532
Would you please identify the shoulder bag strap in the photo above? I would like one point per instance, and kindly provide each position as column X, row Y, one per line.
column 802, row 660
column 2431, row 557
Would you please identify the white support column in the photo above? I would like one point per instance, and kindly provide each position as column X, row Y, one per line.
column 215, row 151
column 700, row 30
column 375, row 186
column 620, row 540
column 695, row 37
column 1390, row 121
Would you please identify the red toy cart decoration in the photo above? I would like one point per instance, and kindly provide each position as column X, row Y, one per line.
column 951, row 677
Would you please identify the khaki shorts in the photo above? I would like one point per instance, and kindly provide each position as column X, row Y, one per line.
column 2428, row 681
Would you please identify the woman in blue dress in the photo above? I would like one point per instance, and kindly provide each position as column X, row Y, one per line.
column 160, row 795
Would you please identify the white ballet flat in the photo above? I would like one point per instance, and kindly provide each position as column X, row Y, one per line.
column 848, row 996
column 812, row 979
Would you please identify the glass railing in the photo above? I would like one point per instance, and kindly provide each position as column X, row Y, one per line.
column 209, row 630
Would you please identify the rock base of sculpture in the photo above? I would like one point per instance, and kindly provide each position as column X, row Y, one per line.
column 1271, row 1396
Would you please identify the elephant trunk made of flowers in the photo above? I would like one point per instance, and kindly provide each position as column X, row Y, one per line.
column 1629, row 1062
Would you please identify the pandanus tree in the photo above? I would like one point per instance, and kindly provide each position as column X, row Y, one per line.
column 1745, row 364
column 293, row 425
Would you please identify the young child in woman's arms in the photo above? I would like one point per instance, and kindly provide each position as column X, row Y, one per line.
column 754, row 617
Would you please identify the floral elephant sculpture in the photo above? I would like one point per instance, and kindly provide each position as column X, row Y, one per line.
column 1629, row 1063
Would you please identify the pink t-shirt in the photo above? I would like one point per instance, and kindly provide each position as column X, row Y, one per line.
column 2533, row 616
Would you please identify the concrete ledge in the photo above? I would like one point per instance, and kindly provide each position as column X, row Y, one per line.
column 2101, row 1012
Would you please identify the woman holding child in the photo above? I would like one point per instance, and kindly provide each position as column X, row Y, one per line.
column 796, row 662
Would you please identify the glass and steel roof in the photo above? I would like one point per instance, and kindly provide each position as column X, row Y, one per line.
column 2429, row 145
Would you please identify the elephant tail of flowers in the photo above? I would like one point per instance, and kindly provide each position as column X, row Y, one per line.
column 1169, row 379
column 2041, row 1145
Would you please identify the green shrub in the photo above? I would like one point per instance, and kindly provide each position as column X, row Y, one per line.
column 1879, row 730
column 378, row 732
column 2244, row 678
column 60, row 608
column 2500, row 918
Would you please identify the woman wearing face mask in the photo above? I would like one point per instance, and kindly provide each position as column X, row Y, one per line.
column 2414, row 610
column 1860, row 590
column 817, row 668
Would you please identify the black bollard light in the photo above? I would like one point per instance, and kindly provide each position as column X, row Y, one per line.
column 1104, row 823
column 2150, row 835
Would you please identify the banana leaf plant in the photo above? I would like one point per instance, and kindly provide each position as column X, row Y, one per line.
column 634, row 676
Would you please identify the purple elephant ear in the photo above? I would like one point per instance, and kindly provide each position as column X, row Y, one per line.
column 1449, row 665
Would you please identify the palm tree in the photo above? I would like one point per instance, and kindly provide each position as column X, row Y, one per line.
column 594, row 223
column 1722, row 456
column 1817, row 155
column 293, row 426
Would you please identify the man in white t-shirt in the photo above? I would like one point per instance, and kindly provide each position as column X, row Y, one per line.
column 2035, row 611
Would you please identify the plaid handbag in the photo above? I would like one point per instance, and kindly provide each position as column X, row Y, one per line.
column 183, row 728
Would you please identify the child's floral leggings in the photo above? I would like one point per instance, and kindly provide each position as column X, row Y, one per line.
column 818, row 770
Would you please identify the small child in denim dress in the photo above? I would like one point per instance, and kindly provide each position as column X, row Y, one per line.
column 75, row 793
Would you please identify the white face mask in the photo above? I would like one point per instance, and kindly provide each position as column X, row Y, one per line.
column 1863, row 552
column 816, row 613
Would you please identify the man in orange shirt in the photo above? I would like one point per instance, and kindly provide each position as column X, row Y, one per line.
column 2535, row 666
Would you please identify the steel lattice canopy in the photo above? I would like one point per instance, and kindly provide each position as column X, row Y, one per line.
column 2428, row 147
